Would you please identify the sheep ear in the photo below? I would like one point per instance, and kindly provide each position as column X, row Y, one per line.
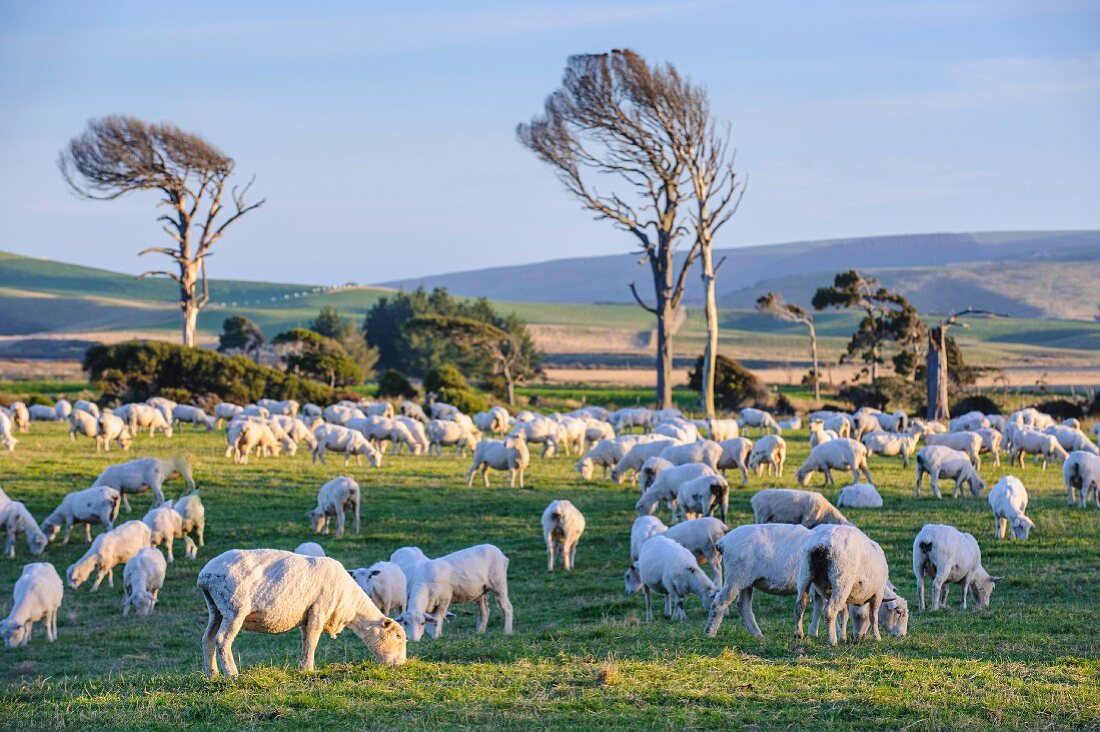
column 375, row 573
column 450, row 615
column 997, row 579
column 890, row 599
column 429, row 618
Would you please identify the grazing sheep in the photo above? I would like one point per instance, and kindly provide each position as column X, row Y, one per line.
column 289, row 407
column 891, row 444
column 510, row 454
column 596, row 431
column 789, row 506
column 310, row 549
column 667, row 484
column 113, row 429
column 791, row 423
column 540, row 430
column 706, row 452
column 604, row 453
column 1072, row 439
column 818, row 433
column 859, row 495
column 562, row 527
column 109, row 549
column 442, row 410
column 16, row 519
column 142, row 416
column 840, row 454
column 636, row 456
column 84, row 423
column 721, row 430
column 37, row 598
column 261, row 436
column 839, row 423
column 492, row 422
column 42, row 413
column 7, row 432
column 896, row 422
column 445, row 433
column 162, row 405
column 467, row 575
column 969, row 422
column 413, row 411
column 678, row 431
column 417, row 432
column 625, row 419
column 864, row 423
column 991, row 442
column 340, row 414
column 758, row 418
column 950, row 556
column 384, row 583
column 699, row 536
column 642, row 529
column 735, row 454
column 166, row 525
column 1035, row 443
column 592, row 412
column 226, row 411
column 651, row 468
column 943, row 462
column 333, row 499
column 701, row 496
column 193, row 513
column 142, row 579
column 1082, row 470
column 272, row 591
column 350, row 442
column 770, row 450
column 666, row 567
column 20, row 417
column 186, row 413
column 96, row 505
column 1008, row 499
column 968, row 442
column 844, row 567
column 409, row 559
column 139, row 475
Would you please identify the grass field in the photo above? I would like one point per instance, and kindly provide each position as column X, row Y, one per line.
column 580, row 656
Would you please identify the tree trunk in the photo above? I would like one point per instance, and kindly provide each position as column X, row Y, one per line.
column 190, row 317
column 936, row 366
column 813, row 355
column 710, row 350
column 189, row 303
column 510, row 383
column 664, row 351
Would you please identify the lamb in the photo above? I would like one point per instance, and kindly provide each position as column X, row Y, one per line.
column 1082, row 470
column 510, row 454
column 444, row 433
column 165, row 525
column 859, row 495
column 735, row 454
column 636, row 456
column 142, row 579
column 968, row 442
column 770, row 450
column 789, row 506
column 706, row 452
column 96, row 505
column 333, row 499
column 1072, row 438
column 141, row 416
column 138, row 475
column 226, row 411
column 384, row 583
column 562, row 527
column 7, row 432
column 1008, row 499
column 666, row 485
column 1035, row 443
column 194, row 415
column 701, row 496
column 721, row 430
column 310, row 549
column 759, row 418
column 891, row 444
column 81, row 422
column 16, row 519
column 463, row 576
column 844, row 567
column 666, row 567
column 943, row 462
column 818, row 433
column 840, row 454
column 109, row 549
column 991, row 442
column 350, row 442
column 113, row 429
column 950, row 556
column 37, row 598
column 272, row 591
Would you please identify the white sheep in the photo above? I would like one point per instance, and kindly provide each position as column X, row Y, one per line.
column 1081, row 470
column 949, row 556
column 143, row 474
column 20, row 416
column 162, row 405
column 840, row 454
column 818, row 433
column 540, row 430
column 839, row 423
column 42, row 413
column 968, row 442
column 666, row 567
column 334, row 498
column 142, row 416
column 272, row 591
column 864, row 423
column 82, row 423
column 596, row 431
column 1008, row 500
column 895, row 422
column 463, row 576
column 1072, row 438
column 789, row 506
column 165, row 526
column 630, row 417
column 225, row 411
column 113, row 428
column 651, row 468
column 510, row 454
column 605, row 454
column 706, row 452
column 142, row 579
column 442, row 410
column 991, row 442
column 37, row 598
column 562, row 527
column 350, row 442
column 96, row 505
column 418, row 433
column 267, row 439
column 636, row 456
column 859, row 495
column 770, row 450
column 943, row 462
column 445, row 433
column 1035, row 443
column 758, row 418
column 409, row 559
column 109, row 549
column 791, row 423
column 310, row 549
column 7, row 432
column 384, row 583
column 197, row 417
column 970, row 422
column 892, row 444
column 699, row 536
column 666, row 485
column 16, row 519
column 700, row 497
column 193, row 513
column 735, row 454
column 678, row 431
column 721, row 430
column 413, row 411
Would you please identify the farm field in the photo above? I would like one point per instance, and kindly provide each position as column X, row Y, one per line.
column 581, row 656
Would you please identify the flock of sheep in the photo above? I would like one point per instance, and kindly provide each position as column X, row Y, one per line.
column 800, row 545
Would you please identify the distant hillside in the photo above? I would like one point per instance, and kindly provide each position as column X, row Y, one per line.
column 1024, row 274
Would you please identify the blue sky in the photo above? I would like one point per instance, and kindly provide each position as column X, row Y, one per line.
column 382, row 134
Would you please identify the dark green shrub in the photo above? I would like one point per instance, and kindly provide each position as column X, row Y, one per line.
column 734, row 385
column 886, row 393
column 180, row 396
column 468, row 400
column 34, row 399
column 1062, row 409
column 393, row 383
column 976, row 403
column 445, row 376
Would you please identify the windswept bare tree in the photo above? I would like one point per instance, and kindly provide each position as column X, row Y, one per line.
column 617, row 116
column 117, row 155
column 774, row 305
column 936, row 365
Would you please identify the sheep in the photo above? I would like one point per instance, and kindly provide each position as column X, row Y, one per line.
column 42, row 413
column 943, row 462
column 138, row 475
column 186, row 413
column 310, row 549
column 413, row 410
column 350, row 442
column 193, row 515
column 642, row 529
column 891, row 444
column 7, row 432
column 636, row 456
column 384, row 583
column 409, row 559
column 896, row 422
column 665, row 566
column 968, row 442
column 625, row 419
column 142, row 578
column 20, row 416
column 294, row 428
column 510, row 454
column 735, row 454
column 758, row 418
column 651, row 468
column 113, row 428
column 950, row 556
column 444, row 433
column 596, row 431
column 706, row 452
column 417, row 432
column 859, row 495
column 109, row 549
column 540, row 430
column 340, row 414
column 1008, row 499
column 16, row 519
column 925, row 427
column 789, row 506
column 273, row 591
column 463, row 576
column 841, row 454
column 991, row 442
column 721, row 430
column 597, row 413
column 791, row 423
column 492, row 421
column 1031, row 418
column 770, row 450
column 81, row 422
column 37, row 598
column 844, row 567
column 162, row 405
column 604, row 453
column 562, row 527
column 165, row 525
column 818, row 433
column 225, row 411
column 251, row 434
column 572, row 434
column 701, row 496
column 141, row 416
column 1082, row 470
column 667, row 484
column 96, row 505
column 1072, row 438
column 864, row 423
column 839, row 423
column 334, row 498
column 677, row 431
column 699, row 536
column 442, row 410
column 289, row 407
column 970, row 422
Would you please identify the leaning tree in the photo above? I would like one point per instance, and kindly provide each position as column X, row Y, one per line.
column 614, row 117
column 774, row 305
column 117, row 155
column 936, row 364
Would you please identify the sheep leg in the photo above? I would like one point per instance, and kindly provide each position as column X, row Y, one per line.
column 355, row 515
column 470, row 476
column 828, row 476
column 512, row 477
column 800, row 608
column 482, row 613
column 744, row 473
column 549, row 553
column 52, row 625
column 938, row 594
column 748, row 617
column 572, row 557
column 109, row 573
column 648, row 604
column 440, row 613
column 168, row 542
column 485, row 474
column 837, row 603
column 230, row 626
column 965, row 591
column 1000, row 524
column 126, row 503
column 933, row 479
column 876, row 601
column 340, row 522
column 311, row 633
